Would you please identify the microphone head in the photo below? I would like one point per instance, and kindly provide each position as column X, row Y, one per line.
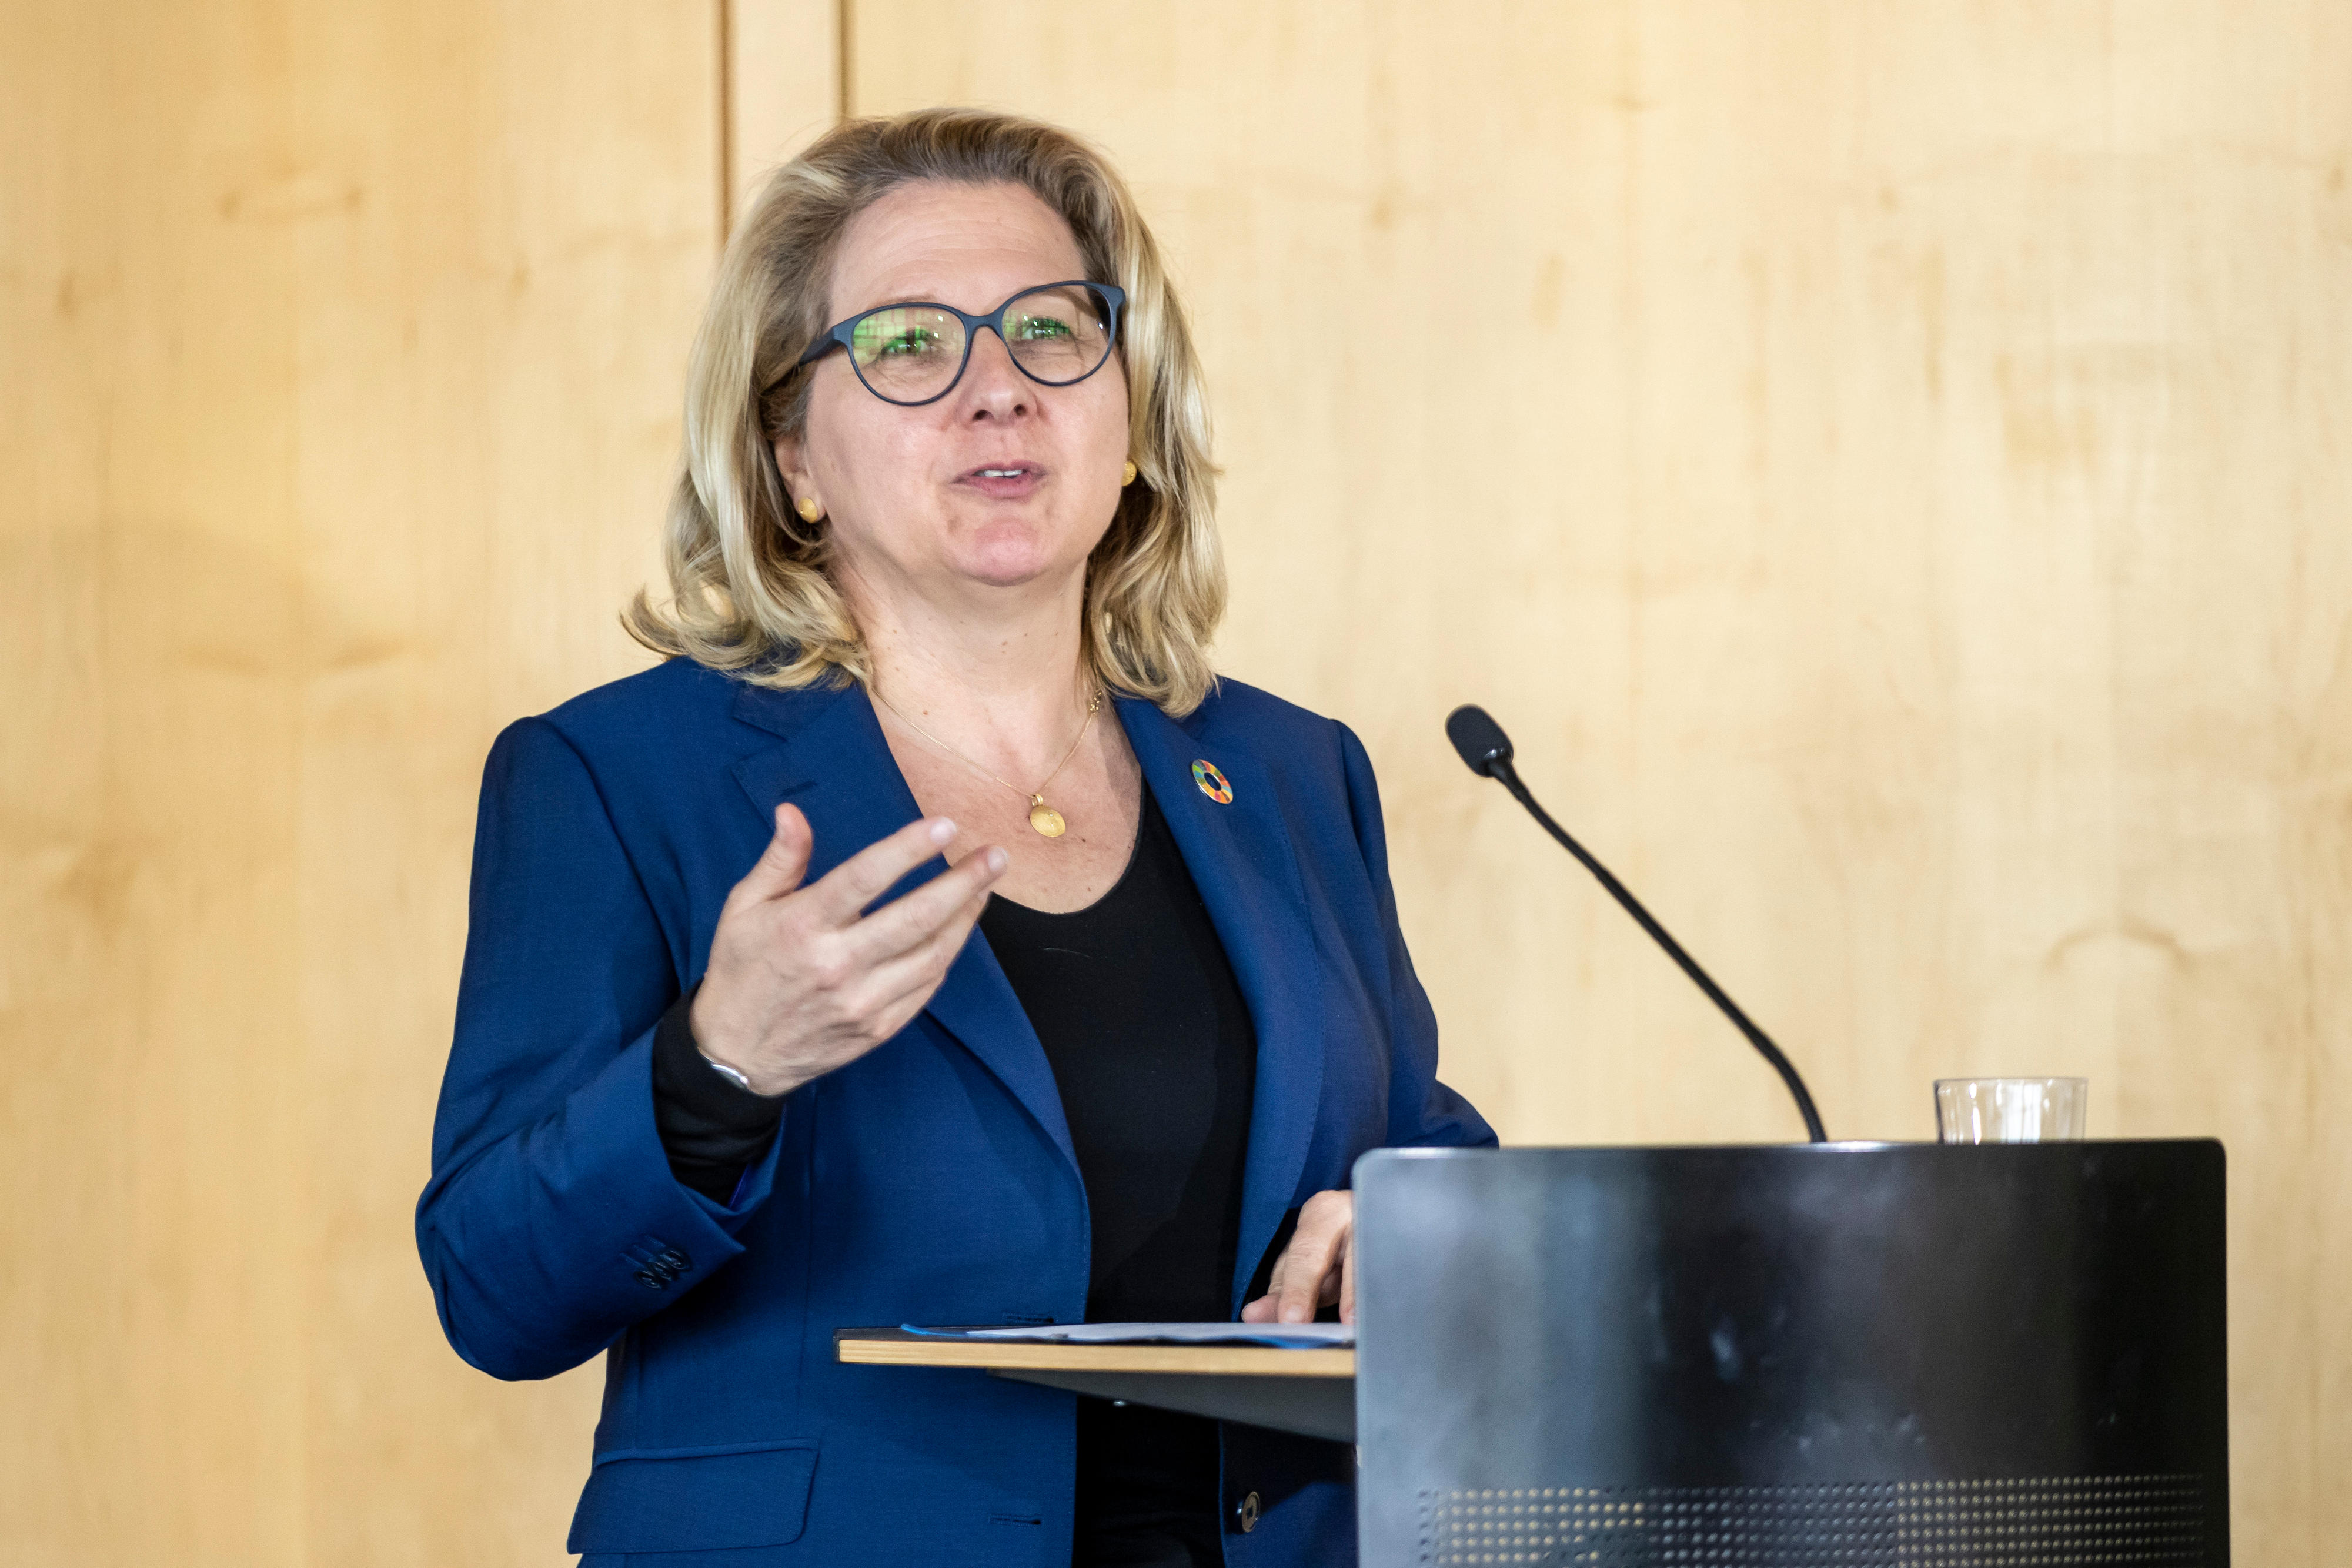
column 1479, row 739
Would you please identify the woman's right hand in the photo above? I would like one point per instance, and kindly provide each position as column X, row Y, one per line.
column 802, row 982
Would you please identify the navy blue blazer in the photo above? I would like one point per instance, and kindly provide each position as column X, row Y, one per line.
column 930, row 1181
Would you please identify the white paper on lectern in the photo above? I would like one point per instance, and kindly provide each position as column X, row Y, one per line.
column 1299, row 1336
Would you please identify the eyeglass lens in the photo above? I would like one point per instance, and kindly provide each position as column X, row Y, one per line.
column 912, row 354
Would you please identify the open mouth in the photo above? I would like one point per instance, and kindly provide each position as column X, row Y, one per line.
column 1007, row 481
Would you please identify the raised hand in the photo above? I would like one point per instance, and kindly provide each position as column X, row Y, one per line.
column 801, row 980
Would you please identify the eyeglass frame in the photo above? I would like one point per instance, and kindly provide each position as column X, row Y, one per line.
column 841, row 335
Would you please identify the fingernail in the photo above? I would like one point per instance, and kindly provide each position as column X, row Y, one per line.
column 997, row 860
column 943, row 832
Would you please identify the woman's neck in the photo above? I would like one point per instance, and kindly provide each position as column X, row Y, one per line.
column 997, row 677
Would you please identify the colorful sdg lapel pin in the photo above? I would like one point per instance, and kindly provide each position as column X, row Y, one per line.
column 1213, row 783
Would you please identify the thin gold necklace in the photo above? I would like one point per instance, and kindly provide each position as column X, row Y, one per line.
column 1041, row 817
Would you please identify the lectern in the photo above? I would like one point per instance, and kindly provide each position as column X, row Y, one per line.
column 1843, row 1355
column 1830, row 1355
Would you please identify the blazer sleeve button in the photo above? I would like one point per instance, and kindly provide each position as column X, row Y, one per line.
column 1246, row 1515
column 676, row 1259
column 651, row 1281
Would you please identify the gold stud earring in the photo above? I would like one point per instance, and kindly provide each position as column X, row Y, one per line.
column 808, row 509
column 1130, row 479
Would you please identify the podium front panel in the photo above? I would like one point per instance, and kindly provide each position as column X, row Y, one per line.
column 1843, row 1354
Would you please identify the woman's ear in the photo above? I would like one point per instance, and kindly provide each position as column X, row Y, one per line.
column 799, row 485
column 789, row 454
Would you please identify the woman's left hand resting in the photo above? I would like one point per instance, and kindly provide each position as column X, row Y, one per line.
column 1316, row 1268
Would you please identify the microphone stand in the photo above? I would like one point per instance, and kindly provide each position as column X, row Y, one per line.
column 1499, row 767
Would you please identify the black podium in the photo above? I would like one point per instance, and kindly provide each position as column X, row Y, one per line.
column 1846, row 1355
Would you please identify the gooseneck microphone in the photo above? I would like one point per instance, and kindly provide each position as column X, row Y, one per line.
column 1488, row 750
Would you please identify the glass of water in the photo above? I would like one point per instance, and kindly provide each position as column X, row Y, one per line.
column 2011, row 1110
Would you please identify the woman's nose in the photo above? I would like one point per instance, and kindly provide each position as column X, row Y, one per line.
column 993, row 386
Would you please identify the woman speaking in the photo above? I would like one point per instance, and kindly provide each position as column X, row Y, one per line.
column 731, row 1069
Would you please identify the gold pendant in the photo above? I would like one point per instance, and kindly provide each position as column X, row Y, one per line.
column 1044, row 818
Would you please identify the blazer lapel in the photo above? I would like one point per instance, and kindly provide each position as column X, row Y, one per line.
column 1241, row 858
column 836, row 766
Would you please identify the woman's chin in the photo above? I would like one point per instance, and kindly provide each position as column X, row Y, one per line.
column 1011, row 557
column 1002, row 572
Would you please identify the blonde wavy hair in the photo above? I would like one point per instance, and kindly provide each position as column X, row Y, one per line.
column 750, row 593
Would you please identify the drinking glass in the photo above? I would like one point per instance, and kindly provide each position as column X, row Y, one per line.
column 2011, row 1110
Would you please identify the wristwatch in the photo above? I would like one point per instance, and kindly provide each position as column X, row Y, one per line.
column 731, row 1076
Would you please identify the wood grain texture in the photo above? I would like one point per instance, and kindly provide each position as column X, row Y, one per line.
column 1886, row 464
column 339, row 356
column 783, row 85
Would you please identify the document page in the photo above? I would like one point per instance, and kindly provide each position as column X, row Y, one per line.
column 1289, row 1336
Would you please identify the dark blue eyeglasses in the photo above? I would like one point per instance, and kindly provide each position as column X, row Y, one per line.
column 911, row 354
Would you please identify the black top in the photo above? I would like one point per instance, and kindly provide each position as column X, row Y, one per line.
column 1156, row 1058
column 1154, row 1054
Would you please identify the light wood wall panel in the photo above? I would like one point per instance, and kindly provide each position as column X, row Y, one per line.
column 340, row 355
column 1885, row 462
column 783, row 66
